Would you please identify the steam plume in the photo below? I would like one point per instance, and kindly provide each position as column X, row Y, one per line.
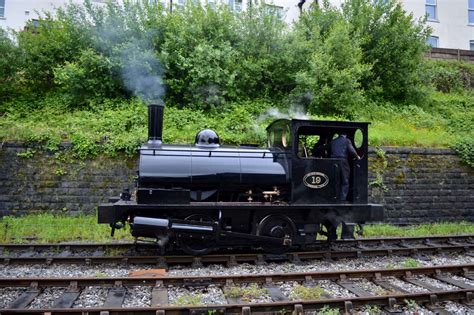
column 142, row 72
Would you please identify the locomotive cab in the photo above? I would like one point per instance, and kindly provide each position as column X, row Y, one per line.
column 316, row 177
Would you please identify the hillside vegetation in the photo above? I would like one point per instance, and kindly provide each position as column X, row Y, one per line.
column 86, row 72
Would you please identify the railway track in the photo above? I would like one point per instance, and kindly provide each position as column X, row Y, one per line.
column 145, row 253
column 384, row 288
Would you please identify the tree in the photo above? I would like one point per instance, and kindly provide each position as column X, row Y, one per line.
column 9, row 65
column 393, row 42
column 333, row 78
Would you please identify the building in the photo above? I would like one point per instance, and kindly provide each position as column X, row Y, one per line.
column 15, row 13
column 452, row 21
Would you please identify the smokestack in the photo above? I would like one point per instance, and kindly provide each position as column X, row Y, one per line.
column 155, row 124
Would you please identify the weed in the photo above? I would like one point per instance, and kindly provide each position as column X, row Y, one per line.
column 188, row 299
column 380, row 291
column 245, row 293
column 60, row 172
column 100, row 274
column 380, row 154
column 378, row 182
column 411, row 305
column 114, row 252
column 27, row 154
column 327, row 310
column 306, row 293
column 390, row 266
column 372, row 309
column 410, row 263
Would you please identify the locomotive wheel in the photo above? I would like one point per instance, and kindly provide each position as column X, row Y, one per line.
column 276, row 225
column 197, row 246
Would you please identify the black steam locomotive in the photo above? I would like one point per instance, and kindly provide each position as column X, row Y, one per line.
column 206, row 196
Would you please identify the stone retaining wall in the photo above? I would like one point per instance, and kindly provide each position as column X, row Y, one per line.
column 415, row 185
column 421, row 185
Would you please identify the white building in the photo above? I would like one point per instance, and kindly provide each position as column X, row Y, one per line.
column 452, row 21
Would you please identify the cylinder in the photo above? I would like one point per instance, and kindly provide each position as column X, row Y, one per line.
column 155, row 124
column 149, row 227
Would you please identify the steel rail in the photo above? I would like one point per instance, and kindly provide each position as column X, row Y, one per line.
column 126, row 245
column 286, row 307
column 465, row 269
column 234, row 259
column 464, row 292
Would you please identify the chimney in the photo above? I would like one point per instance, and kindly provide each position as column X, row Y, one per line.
column 155, row 124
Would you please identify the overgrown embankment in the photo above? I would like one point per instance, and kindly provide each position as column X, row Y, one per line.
column 83, row 75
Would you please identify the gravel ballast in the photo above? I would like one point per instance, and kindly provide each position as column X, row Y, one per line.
column 121, row 270
column 8, row 295
column 91, row 297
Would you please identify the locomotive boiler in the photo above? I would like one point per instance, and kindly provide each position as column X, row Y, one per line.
column 206, row 195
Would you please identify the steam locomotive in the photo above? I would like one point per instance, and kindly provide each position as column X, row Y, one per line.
column 206, row 196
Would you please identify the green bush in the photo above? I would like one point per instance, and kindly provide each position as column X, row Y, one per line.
column 72, row 77
column 335, row 73
column 465, row 148
column 394, row 43
column 9, row 65
column 56, row 40
column 90, row 77
column 450, row 76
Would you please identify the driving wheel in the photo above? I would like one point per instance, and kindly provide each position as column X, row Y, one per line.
column 197, row 245
column 279, row 226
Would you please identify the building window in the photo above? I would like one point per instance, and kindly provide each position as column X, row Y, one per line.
column 212, row 4
column 471, row 45
column 433, row 41
column 430, row 8
column 470, row 11
column 275, row 10
column 235, row 5
column 2, row 8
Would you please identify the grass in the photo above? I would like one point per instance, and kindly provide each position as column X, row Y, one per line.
column 120, row 126
column 53, row 228
column 245, row 293
column 327, row 310
column 443, row 228
column 410, row 263
column 188, row 299
column 301, row 292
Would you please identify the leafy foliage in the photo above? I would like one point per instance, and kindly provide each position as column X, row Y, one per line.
column 9, row 65
column 69, row 78
column 335, row 73
column 393, row 43
column 90, row 77
column 450, row 76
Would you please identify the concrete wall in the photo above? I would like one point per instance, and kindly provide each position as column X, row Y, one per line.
column 415, row 185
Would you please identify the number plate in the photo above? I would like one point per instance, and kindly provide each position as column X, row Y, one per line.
column 315, row 180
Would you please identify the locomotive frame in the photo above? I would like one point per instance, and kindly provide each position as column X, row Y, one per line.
column 205, row 197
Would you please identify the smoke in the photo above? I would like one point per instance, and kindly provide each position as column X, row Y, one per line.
column 132, row 50
column 142, row 72
column 162, row 240
column 294, row 111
